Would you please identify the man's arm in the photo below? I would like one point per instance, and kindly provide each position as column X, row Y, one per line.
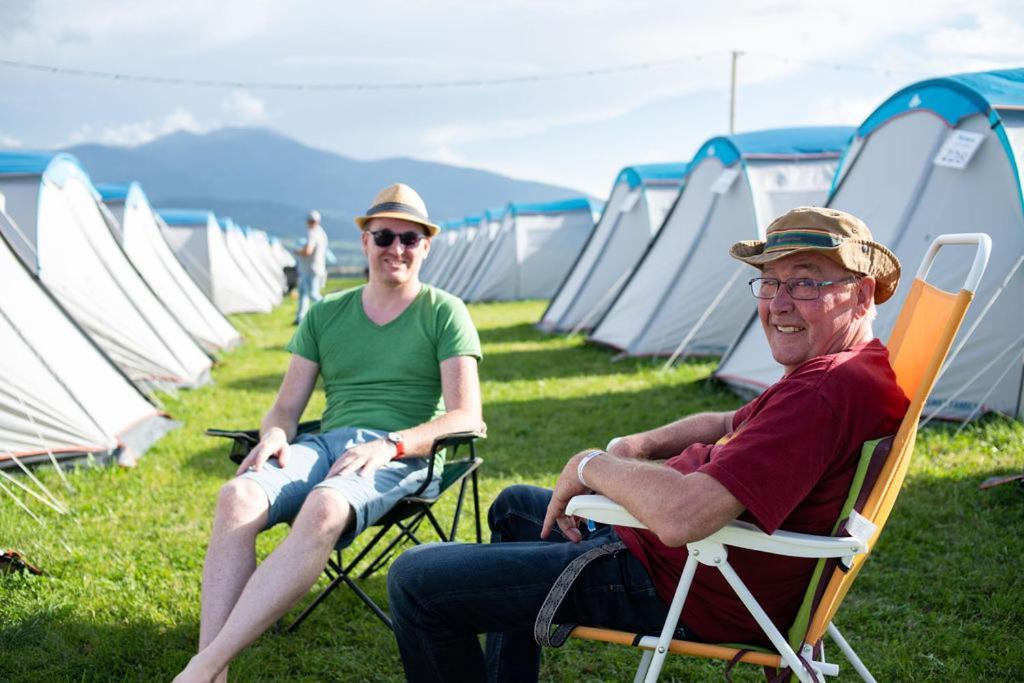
column 460, row 387
column 278, row 427
column 678, row 508
column 672, row 439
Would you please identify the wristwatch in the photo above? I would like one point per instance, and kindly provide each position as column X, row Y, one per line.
column 398, row 441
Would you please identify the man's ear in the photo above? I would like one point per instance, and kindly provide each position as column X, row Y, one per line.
column 865, row 293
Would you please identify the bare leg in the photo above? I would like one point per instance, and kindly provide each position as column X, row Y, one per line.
column 231, row 556
column 284, row 577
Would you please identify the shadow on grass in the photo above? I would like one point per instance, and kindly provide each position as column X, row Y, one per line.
column 534, row 438
column 49, row 645
column 523, row 332
column 212, row 462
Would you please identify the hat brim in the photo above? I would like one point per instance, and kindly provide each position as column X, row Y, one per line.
column 361, row 221
column 869, row 258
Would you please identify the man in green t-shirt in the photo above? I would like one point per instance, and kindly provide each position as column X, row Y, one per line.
column 399, row 365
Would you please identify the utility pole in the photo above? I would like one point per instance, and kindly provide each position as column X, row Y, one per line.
column 732, row 93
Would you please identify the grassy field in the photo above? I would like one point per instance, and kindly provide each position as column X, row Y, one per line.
column 942, row 598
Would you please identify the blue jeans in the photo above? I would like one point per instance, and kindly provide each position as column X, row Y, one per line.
column 309, row 292
column 442, row 595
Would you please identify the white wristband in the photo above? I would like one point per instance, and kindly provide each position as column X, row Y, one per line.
column 583, row 463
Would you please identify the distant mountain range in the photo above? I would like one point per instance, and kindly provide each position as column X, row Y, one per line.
column 264, row 179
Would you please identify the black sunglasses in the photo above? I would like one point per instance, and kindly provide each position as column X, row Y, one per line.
column 409, row 238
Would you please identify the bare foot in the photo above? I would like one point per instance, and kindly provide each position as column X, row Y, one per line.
column 195, row 672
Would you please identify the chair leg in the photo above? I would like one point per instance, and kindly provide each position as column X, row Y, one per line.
column 458, row 510
column 292, row 627
column 645, row 663
column 476, row 507
column 850, row 655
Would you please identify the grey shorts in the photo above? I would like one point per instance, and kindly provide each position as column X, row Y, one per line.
column 311, row 457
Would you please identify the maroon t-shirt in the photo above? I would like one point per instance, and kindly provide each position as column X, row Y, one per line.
column 790, row 459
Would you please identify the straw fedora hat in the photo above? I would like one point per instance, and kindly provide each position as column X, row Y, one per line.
column 398, row 201
column 835, row 234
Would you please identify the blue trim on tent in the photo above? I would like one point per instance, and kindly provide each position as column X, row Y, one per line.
column 815, row 141
column 642, row 174
column 471, row 221
column 495, row 214
column 53, row 167
column 186, row 216
column 563, row 206
column 953, row 98
column 113, row 192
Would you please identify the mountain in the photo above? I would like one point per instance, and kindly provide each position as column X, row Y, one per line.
column 265, row 179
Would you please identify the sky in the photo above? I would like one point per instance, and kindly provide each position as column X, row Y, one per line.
column 595, row 85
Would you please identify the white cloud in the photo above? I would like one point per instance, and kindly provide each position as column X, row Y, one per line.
column 9, row 141
column 241, row 106
column 131, row 134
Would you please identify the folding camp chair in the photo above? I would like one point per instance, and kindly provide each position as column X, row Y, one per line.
column 920, row 340
column 406, row 516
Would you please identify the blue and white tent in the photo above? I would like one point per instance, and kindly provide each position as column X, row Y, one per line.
column 480, row 233
column 640, row 198
column 69, row 240
column 198, row 242
column 686, row 294
column 61, row 397
column 441, row 246
column 262, row 282
column 939, row 156
column 533, row 250
column 144, row 243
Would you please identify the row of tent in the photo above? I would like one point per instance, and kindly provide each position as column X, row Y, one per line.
column 105, row 300
column 939, row 156
column 651, row 277
column 520, row 251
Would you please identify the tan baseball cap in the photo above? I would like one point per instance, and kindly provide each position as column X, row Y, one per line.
column 840, row 236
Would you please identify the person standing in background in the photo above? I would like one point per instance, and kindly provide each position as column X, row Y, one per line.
column 312, row 257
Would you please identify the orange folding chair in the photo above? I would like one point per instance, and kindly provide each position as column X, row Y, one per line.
column 920, row 340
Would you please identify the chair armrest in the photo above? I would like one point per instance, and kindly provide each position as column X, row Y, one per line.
column 244, row 439
column 456, row 439
column 736, row 534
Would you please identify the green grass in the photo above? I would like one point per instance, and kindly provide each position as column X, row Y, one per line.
column 942, row 598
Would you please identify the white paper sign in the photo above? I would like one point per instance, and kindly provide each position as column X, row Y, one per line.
column 630, row 201
column 725, row 180
column 958, row 149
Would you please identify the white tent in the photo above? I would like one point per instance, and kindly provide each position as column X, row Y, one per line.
column 533, row 250
column 59, row 394
column 281, row 255
column 260, row 245
column 641, row 196
column 452, row 264
column 939, row 156
column 144, row 243
column 439, row 246
column 488, row 228
column 65, row 238
column 472, row 232
column 197, row 241
column 240, row 250
column 686, row 291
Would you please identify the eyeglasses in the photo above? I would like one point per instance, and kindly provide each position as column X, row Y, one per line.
column 409, row 238
column 802, row 288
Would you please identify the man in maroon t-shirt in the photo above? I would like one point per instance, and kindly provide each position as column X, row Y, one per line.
column 783, row 461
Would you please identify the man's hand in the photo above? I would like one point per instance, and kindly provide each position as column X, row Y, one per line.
column 366, row 458
column 568, row 486
column 273, row 444
column 626, row 447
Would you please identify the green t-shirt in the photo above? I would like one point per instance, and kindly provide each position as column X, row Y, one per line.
column 385, row 377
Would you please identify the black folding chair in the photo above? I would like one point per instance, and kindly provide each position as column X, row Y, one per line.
column 406, row 516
